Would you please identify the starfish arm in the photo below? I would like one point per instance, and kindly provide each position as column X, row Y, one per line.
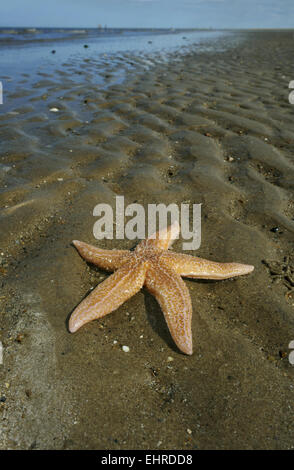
column 190, row 266
column 109, row 295
column 173, row 297
column 162, row 239
column 105, row 259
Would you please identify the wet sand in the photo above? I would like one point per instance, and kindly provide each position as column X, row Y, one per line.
column 207, row 127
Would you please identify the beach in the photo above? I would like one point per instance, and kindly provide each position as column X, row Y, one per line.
column 207, row 125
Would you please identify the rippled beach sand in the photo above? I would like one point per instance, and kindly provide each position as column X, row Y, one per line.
column 212, row 127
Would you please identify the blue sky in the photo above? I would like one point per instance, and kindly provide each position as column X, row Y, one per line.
column 149, row 13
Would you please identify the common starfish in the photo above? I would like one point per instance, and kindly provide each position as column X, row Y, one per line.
column 153, row 266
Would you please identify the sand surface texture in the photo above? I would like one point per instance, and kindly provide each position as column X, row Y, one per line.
column 208, row 127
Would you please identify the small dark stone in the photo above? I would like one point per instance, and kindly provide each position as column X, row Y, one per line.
column 53, row 52
column 33, row 445
column 85, row 46
column 275, row 229
column 19, row 338
column 3, row 399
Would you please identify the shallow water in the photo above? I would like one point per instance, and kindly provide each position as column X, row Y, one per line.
column 23, row 52
column 38, row 46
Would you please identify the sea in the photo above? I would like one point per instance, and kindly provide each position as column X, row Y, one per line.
column 31, row 50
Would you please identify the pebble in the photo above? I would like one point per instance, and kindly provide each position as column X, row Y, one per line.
column 125, row 348
column 20, row 338
column 283, row 354
column 54, row 110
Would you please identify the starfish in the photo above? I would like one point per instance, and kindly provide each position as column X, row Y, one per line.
column 159, row 270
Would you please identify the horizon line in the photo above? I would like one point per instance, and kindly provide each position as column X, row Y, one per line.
column 154, row 27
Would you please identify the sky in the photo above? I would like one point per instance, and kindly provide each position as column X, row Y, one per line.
column 149, row 13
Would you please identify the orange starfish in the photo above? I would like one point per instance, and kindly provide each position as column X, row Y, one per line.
column 152, row 266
